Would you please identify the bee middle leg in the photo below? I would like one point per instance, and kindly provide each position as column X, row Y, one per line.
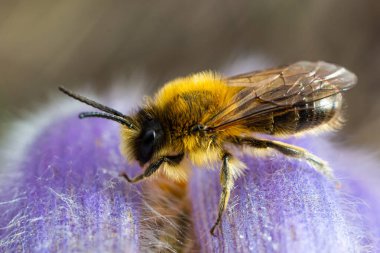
column 289, row 150
column 227, row 182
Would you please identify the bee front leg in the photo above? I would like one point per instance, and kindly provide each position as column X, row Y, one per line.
column 227, row 182
column 153, row 167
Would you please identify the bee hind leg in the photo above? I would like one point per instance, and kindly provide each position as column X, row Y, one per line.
column 227, row 182
column 289, row 150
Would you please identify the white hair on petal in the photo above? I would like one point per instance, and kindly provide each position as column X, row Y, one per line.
column 26, row 129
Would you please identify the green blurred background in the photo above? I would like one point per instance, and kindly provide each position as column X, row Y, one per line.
column 44, row 44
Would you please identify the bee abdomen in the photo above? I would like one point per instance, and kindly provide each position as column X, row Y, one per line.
column 302, row 117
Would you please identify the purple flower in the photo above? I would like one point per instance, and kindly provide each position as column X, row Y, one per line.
column 67, row 196
column 284, row 205
column 60, row 192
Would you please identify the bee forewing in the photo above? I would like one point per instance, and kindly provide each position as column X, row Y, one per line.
column 276, row 89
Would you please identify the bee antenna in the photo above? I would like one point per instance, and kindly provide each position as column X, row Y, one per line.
column 118, row 119
column 110, row 113
column 90, row 102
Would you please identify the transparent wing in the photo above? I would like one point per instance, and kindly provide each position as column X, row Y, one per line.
column 278, row 89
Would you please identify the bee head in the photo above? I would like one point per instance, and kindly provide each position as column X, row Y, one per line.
column 143, row 134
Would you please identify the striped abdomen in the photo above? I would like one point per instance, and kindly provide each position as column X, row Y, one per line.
column 301, row 117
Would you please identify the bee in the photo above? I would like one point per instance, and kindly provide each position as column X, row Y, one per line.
column 199, row 119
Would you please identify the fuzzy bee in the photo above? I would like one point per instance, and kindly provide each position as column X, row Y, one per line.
column 201, row 117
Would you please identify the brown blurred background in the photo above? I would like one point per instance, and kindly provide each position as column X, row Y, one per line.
column 47, row 43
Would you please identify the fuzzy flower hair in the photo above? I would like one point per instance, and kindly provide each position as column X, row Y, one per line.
column 60, row 191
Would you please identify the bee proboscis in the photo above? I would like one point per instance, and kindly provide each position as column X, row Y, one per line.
column 201, row 116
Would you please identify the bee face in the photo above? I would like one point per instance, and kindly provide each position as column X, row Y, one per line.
column 150, row 138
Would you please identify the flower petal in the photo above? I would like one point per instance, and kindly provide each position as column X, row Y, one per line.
column 279, row 205
column 68, row 196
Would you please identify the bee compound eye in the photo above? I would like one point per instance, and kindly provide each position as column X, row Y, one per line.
column 146, row 146
column 149, row 137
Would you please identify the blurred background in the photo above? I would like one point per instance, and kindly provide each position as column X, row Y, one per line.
column 45, row 43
